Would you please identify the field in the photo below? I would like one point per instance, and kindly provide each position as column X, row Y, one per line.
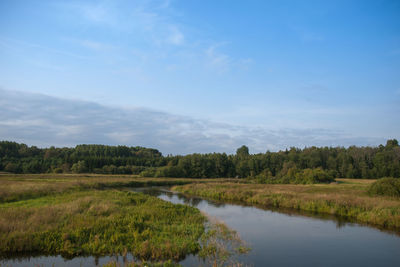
column 347, row 197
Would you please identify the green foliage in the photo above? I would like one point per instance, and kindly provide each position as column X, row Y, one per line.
column 101, row 222
column 352, row 162
column 34, row 160
column 170, row 171
column 385, row 187
column 313, row 176
column 219, row 245
column 149, row 172
column 12, row 167
column 242, row 151
column 79, row 167
column 291, row 175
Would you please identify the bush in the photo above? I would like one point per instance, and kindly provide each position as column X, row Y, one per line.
column 313, row 176
column 292, row 175
column 170, row 171
column 58, row 170
column 12, row 167
column 149, row 172
column 385, row 187
column 79, row 167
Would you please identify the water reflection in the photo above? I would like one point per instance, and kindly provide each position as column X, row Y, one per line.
column 177, row 198
column 48, row 260
column 294, row 238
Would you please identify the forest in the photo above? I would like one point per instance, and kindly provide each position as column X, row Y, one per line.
column 308, row 165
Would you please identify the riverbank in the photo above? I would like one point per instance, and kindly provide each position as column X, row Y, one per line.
column 80, row 215
column 346, row 198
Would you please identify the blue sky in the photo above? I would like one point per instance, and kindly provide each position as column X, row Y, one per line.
column 270, row 74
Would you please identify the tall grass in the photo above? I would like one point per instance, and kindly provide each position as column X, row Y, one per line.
column 100, row 222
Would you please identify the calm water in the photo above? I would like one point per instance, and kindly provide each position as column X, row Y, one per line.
column 276, row 239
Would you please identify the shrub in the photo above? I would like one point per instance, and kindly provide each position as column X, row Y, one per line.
column 313, row 176
column 385, row 187
column 12, row 167
column 292, row 175
column 149, row 172
column 170, row 171
column 79, row 167
column 58, row 170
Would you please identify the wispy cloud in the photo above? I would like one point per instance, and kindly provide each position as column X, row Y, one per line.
column 150, row 19
column 155, row 24
column 99, row 12
column 43, row 120
column 22, row 46
column 217, row 60
column 90, row 44
column 175, row 37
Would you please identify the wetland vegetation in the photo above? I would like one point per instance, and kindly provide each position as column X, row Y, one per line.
column 82, row 219
column 348, row 197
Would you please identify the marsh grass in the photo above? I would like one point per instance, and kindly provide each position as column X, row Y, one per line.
column 100, row 222
column 220, row 245
column 347, row 198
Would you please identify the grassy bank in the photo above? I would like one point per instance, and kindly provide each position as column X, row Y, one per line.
column 347, row 198
column 100, row 222
column 86, row 214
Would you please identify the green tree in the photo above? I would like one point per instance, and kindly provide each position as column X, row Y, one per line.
column 79, row 167
column 242, row 152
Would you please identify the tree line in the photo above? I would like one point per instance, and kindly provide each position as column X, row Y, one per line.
column 312, row 163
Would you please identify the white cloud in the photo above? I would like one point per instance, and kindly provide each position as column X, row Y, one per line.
column 175, row 37
column 98, row 12
column 217, row 60
column 45, row 121
column 155, row 30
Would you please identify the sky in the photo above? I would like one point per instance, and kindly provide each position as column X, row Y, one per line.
column 200, row 76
